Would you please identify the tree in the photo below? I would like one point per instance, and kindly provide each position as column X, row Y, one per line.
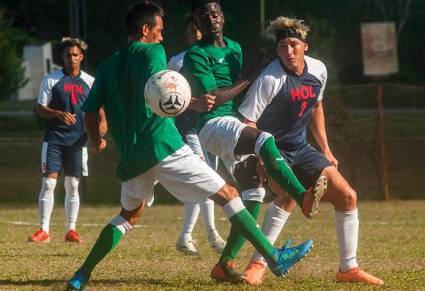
column 12, row 72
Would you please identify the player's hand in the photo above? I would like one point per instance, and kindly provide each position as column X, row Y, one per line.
column 204, row 103
column 103, row 124
column 67, row 117
column 100, row 147
column 329, row 155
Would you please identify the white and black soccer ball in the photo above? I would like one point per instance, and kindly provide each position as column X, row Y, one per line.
column 167, row 93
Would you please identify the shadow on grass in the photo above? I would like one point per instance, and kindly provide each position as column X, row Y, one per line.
column 43, row 282
column 62, row 284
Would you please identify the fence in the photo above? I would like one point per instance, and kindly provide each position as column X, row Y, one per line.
column 353, row 131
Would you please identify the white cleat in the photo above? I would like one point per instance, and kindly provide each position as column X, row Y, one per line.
column 216, row 242
column 187, row 247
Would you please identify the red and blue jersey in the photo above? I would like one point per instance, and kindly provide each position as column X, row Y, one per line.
column 280, row 102
column 60, row 91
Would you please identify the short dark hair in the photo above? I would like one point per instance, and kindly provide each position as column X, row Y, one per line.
column 191, row 20
column 198, row 3
column 141, row 14
column 67, row 42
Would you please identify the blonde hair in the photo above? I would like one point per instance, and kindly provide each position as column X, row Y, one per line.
column 282, row 24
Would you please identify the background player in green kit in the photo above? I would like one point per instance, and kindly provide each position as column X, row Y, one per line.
column 150, row 148
column 213, row 65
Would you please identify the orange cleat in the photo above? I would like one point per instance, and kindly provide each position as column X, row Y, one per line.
column 358, row 275
column 312, row 197
column 254, row 273
column 73, row 236
column 226, row 273
column 40, row 236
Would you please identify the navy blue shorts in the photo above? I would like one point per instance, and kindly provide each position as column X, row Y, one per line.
column 307, row 164
column 72, row 159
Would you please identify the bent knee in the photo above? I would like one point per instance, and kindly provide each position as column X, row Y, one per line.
column 349, row 197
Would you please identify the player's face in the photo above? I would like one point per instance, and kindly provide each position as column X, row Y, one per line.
column 210, row 19
column 154, row 34
column 193, row 33
column 72, row 58
column 291, row 52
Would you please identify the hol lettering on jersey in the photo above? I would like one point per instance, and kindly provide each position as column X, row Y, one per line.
column 302, row 93
column 74, row 89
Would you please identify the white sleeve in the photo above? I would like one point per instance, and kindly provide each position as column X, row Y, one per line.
column 323, row 79
column 262, row 92
column 45, row 93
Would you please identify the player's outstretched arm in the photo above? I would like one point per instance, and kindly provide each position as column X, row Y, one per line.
column 47, row 112
column 91, row 120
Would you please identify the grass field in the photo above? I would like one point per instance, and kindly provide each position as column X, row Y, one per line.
column 392, row 237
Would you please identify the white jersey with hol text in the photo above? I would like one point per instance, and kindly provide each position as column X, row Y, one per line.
column 280, row 102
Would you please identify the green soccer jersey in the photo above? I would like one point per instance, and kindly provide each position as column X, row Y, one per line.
column 207, row 68
column 141, row 137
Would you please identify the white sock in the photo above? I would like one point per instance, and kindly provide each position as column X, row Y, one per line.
column 274, row 220
column 207, row 211
column 120, row 223
column 347, row 232
column 233, row 207
column 46, row 201
column 191, row 213
column 72, row 201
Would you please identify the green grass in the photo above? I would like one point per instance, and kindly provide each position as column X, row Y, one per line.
column 391, row 246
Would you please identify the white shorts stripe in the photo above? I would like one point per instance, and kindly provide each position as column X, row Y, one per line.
column 44, row 157
column 84, row 157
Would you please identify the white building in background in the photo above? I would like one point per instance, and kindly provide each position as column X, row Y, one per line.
column 38, row 62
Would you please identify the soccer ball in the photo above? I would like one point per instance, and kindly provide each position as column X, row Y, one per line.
column 167, row 93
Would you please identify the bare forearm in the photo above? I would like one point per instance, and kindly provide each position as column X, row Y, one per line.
column 91, row 121
column 47, row 112
column 225, row 94
column 318, row 128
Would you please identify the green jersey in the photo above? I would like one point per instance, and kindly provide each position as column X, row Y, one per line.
column 207, row 68
column 141, row 137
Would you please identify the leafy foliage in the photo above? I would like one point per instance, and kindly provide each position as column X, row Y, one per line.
column 12, row 71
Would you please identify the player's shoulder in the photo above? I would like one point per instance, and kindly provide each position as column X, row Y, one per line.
column 316, row 68
column 274, row 70
column 87, row 78
column 232, row 43
column 52, row 78
column 55, row 75
column 314, row 64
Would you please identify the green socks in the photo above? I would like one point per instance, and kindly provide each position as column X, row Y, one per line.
column 245, row 224
column 235, row 241
column 280, row 172
column 107, row 241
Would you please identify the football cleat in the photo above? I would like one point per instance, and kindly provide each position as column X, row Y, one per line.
column 216, row 242
column 312, row 197
column 73, row 236
column 40, row 236
column 187, row 247
column 358, row 275
column 227, row 273
column 254, row 273
column 79, row 280
column 288, row 256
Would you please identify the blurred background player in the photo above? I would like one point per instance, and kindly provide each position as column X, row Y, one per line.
column 62, row 93
column 185, row 123
column 284, row 100
column 213, row 66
